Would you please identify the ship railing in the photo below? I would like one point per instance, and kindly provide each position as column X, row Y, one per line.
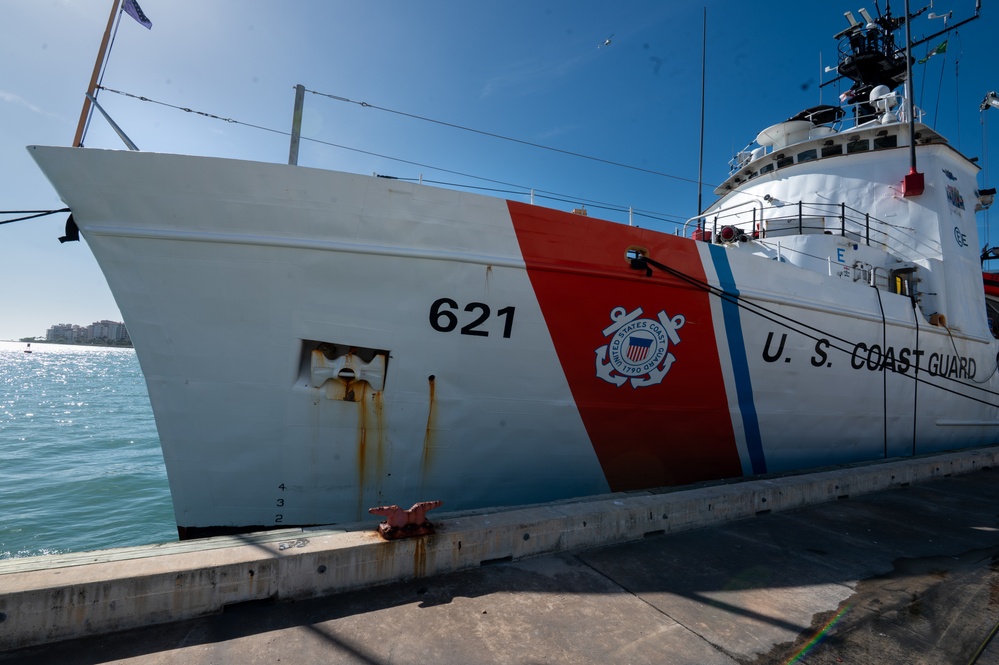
column 700, row 231
column 858, row 115
column 803, row 218
column 866, row 113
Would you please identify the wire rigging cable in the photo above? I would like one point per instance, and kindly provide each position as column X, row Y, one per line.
column 504, row 138
column 523, row 189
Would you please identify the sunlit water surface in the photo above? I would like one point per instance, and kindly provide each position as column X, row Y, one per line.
column 80, row 461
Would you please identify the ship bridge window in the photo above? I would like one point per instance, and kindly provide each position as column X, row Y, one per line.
column 766, row 168
column 858, row 146
column 807, row 156
column 786, row 161
column 883, row 142
column 830, row 150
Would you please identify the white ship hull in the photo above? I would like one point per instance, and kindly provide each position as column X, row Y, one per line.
column 319, row 343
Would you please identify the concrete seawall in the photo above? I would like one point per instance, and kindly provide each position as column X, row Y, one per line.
column 58, row 597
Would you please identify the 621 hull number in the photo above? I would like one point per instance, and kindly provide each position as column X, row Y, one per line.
column 443, row 318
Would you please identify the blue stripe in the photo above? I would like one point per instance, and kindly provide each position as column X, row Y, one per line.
column 740, row 363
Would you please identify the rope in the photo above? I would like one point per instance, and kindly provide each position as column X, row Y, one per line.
column 884, row 375
column 31, row 214
column 736, row 299
column 802, row 328
column 981, row 649
column 915, row 386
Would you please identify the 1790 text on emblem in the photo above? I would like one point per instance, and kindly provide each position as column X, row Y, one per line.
column 638, row 349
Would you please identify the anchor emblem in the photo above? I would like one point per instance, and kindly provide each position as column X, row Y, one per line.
column 638, row 349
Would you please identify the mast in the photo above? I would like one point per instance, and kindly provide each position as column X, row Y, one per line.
column 296, row 125
column 700, row 159
column 101, row 54
column 913, row 183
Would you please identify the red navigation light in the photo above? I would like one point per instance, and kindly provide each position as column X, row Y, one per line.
column 728, row 233
column 913, row 183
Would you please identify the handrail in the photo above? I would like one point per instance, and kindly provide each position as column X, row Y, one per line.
column 729, row 212
column 853, row 118
column 860, row 225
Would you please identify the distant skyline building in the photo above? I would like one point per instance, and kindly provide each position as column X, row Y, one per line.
column 63, row 332
column 113, row 332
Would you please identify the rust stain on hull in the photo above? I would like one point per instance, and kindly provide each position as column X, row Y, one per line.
column 346, row 378
column 370, row 441
column 426, row 458
column 362, row 446
column 378, row 406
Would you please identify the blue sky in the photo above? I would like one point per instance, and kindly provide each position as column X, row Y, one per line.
column 536, row 71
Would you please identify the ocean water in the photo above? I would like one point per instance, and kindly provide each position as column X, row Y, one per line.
column 80, row 461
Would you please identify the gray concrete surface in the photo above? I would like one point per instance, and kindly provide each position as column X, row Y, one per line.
column 909, row 575
column 58, row 597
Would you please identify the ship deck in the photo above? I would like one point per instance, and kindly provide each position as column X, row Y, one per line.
column 894, row 562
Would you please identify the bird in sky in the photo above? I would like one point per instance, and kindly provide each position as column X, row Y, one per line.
column 606, row 42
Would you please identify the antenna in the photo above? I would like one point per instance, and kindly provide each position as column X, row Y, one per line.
column 946, row 17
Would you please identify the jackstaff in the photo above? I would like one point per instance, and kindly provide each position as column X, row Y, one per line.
column 130, row 7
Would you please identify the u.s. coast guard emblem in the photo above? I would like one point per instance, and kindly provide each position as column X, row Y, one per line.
column 638, row 348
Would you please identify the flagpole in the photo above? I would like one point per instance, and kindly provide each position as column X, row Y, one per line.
column 700, row 159
column 101, row 54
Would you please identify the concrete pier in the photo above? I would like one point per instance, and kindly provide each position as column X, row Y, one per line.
column 887, row 562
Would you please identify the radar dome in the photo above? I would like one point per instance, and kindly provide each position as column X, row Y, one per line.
column 878, row 92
